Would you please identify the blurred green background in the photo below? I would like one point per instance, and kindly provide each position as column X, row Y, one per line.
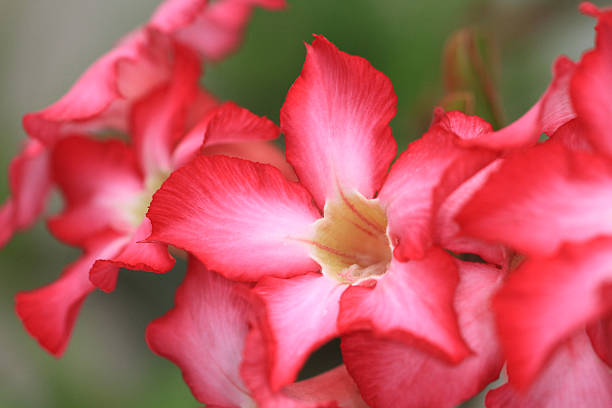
column 47, row 44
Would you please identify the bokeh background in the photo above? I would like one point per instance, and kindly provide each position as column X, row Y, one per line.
column 47, row 44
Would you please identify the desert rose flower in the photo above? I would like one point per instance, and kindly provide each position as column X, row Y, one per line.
column 349, row 247
column 551, row 203
column 206, row 335
column 107, row 187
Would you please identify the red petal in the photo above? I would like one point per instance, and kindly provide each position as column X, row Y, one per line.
column 591, row 86
column 529, row 305
column 136, row 255
column 214, row 29
column 157, row 121
column 328, row 390
column 240, row 218
column 97, row 179
column 204, row 335
column 601, row 336
column 394, row 374
column 542, row 198
column 232, row 123
column 101, row 97
column 336, row 123
column 431, row 168
column 412, row 303
column 574, row 377
column 552, row 111
column 49, row 313
column 29, row 181
column 448, row 232
column 301, row 315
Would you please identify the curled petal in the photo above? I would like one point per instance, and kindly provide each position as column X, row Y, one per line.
column 30, row 181
column 542, row 198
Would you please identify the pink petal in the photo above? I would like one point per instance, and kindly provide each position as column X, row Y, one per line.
column 157, row 121
column 431, row 168
column 97, row 179
column 136, row 255
column 204, row 335
column 447, row 231
column 101, row 97
column 301, row 315
column 552, row 111
column 601, row 337
column 336, row 123
column 214, row 29
column 591, row 86
column 529, row 305
column 29, row 181
column 395, row 374
column 232, row 123
column 240, row 218
column 328, row 390
column 411, row 303
column 49, row 313
column 574, row 377
column 538, row 200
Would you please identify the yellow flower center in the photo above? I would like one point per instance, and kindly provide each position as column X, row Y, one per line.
column 350, row 242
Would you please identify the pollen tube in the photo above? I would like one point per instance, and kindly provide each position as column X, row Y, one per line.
column 350, row 242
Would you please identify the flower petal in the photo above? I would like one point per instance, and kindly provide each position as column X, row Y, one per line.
column 328, row 390
column 204, row 335
column 98, row 180
column 214, row 29
column 538, row 292
column 136, row 255
column 301, row 315
column 552, row 111
column 336, row 123
column 538, row 200
column 574, row 377
column 386, row 370
column 411, row 303
column 29, row 180
column 591, row 86
column 49, row 313
column 157, row 121
column 601, row 337
column 240, row 218
column 101, row 97
column 428, row 171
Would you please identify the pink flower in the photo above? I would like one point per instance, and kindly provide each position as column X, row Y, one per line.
column 349, row 247
column 107, row 186
column 212, row 334
column 552, row 204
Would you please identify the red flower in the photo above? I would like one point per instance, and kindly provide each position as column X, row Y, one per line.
column 213, row 336
column 354, row 262
column 552, row 204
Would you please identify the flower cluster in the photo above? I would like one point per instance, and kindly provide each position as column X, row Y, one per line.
column 476, row 248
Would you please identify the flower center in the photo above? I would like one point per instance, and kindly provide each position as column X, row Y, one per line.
column 350, row 242
column 136, row 208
